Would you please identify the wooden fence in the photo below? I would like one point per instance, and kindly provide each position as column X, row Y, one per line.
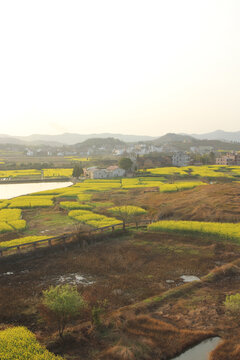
column 63, row 238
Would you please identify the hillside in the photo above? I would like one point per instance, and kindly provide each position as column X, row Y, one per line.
column 69, row 138
column 219, row 135
column 184, row 142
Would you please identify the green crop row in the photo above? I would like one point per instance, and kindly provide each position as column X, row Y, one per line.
column 92, row 219
column 20, row 241
column 30, row 202
column 211, row 171
column 71, row 205
column 222, row 230
column 180, row 186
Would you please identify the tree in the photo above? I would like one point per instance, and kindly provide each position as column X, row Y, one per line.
column 127, row 213
column 232, row 304
column 77, row 171
column 125, row 163
column 61, row 304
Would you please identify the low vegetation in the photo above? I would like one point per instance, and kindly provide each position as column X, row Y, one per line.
column 206, row 171
column 19, row 343
column 10, row 220
column 22, row 240
column 225, row 231
column 61, row 304
column 127, row 213
column 92, row 219
column 70, row 205
column 24, row 202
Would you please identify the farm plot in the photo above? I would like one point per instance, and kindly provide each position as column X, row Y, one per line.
column 20, row 241
column 32, row 173
column 19, row 343
column 71, row 205
column 180, row 186
column 10, row 220
column 228, row 231
column 92, row 219
column 206, row 171
column 24, row 202
column 56, row 173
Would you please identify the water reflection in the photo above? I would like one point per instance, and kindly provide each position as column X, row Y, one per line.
column 8, row 191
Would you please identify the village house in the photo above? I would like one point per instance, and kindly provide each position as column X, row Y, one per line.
column 228, row 159
column 108, row 173
column 29, row 152
column 181, row 159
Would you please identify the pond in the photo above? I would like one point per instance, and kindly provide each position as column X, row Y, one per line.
column 8, row 191
column 200, row 351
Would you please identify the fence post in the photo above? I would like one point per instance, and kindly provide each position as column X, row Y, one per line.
column 1, row 253
column 49, row 242
column 18, row 249
column 112, row 228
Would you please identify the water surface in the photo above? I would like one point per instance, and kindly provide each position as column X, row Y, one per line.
column 200, row 351
column 8, row 191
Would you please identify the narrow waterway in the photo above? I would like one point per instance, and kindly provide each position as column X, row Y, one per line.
column 8, row 191
column 200, row 351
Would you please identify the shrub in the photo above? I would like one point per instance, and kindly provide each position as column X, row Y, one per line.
column 97, row 311
column 127, row 213
column 232, row 303
column 64, row 303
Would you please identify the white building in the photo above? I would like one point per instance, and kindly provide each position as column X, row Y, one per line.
column 181, row 159
column 110, row 172
column 29, row 152
column 115, row 171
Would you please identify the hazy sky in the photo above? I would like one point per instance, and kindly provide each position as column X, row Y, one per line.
column 129, row 66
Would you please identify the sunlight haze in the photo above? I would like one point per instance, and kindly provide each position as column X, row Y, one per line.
column 133, row 67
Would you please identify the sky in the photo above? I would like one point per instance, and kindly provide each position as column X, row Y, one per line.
column 121, row 66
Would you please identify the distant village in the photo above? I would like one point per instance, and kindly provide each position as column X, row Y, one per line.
column 104, row 154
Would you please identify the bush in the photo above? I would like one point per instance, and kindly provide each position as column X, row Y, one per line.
column 232, row 303
column 98, row 310
column 63, row 303
column 127, row 213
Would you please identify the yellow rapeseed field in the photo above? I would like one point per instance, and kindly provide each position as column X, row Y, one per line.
column 228, row 231
column 18, row 343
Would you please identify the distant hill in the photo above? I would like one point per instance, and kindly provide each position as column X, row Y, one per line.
column 173, row 138
column 71, row 138
column 184, row 142
column 68, row 138
column 219, row 135
column 108, row 143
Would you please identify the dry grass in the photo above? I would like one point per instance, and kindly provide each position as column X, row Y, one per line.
column 218, row 202
column 118, row 352
column 162, row 335
column 227, row 350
